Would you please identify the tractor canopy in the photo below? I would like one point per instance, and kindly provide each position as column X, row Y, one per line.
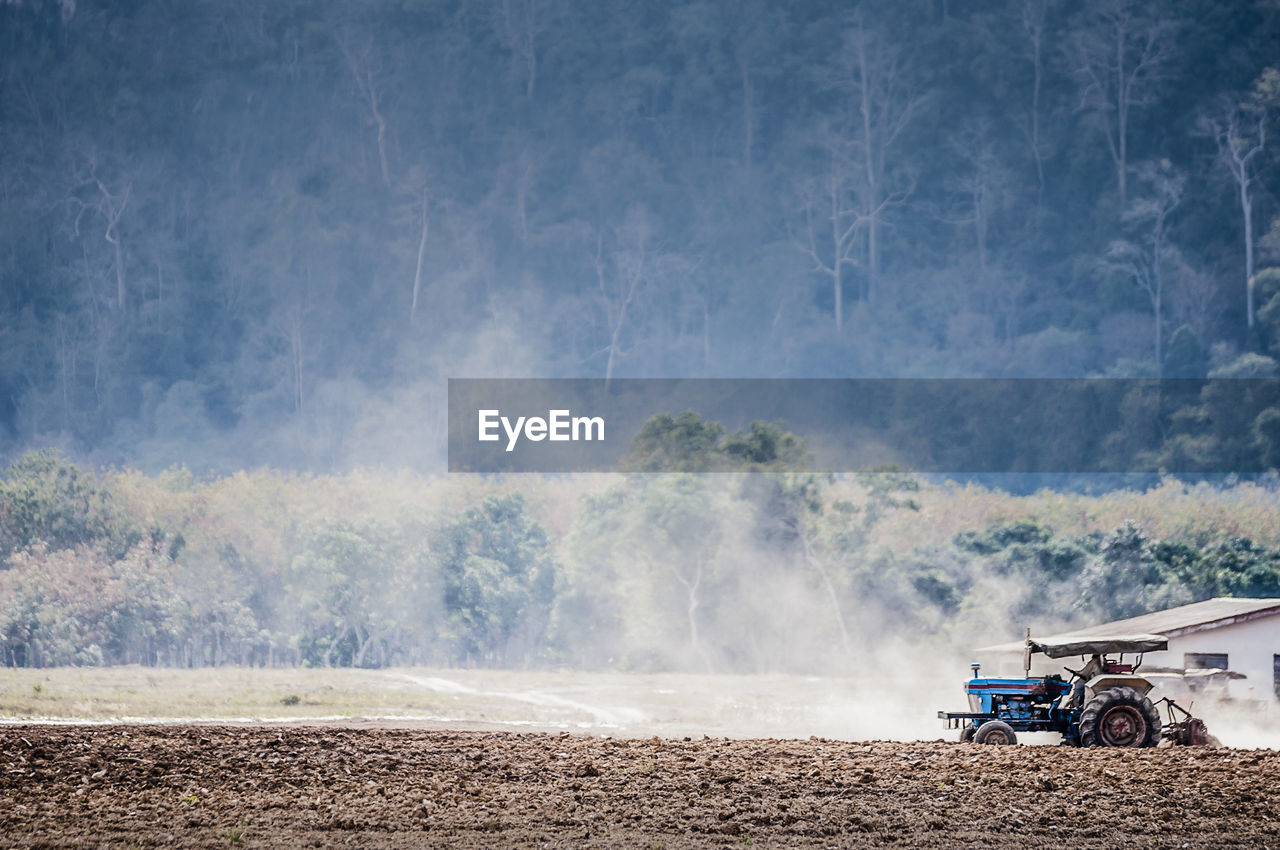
column 1066, row 645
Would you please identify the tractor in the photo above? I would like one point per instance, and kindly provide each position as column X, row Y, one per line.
column 1103, row 704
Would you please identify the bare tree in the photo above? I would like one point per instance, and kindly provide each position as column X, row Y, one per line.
column 1119, row 52
column 829, row 586
column 527, row 166
column 364, row 63
column 93, row 195
column 638, row 282
column 845, row 206
column 984, row 186
column 1240, row 132
column 882, row 100
column 623, row 266
column 756, row 31
column 691, row 585
column 1007, row 294
column 1144, row 257
column 1033, row 19
column 833, row 217
column 518, row 24
column 291, row 328
column 1196, row 300
column 748, row 110
column 418, row 191
column 424, row 217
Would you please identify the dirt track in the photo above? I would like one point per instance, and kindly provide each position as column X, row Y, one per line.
column 306, row 786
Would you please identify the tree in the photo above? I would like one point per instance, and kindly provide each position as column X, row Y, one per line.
column 1144, row 258
column 751, row 38
column 519, row 24
column 683, row 548
column 365, row 60
column 1031, row 40
column 422, row 207
column 1240, row 132
column 984, row 186
column 880, row 99
column 351, row 593
column 1033, row 18
column 1197, row 301
column 685, row 442
column 44, row 498
column 1185, row 357
column 688, row 443
column 833, row 217
column 629, row 268
column 499, row 581
column 109, row 204
column 1120, row 51
column 1126, row 579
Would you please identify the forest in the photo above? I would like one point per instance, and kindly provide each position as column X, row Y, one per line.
column 244, row 245
column 239, row 234
column 773, row 570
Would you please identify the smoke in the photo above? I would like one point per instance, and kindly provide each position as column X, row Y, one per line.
column 895, row 698
column 729, row 604
column 1242, row 724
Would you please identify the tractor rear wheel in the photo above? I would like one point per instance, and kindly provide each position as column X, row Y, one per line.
column 1119, row 717
column 995, row 732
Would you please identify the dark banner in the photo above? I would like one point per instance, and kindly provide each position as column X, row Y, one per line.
column 848, row 425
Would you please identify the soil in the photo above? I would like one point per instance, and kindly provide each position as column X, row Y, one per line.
column 131, row 786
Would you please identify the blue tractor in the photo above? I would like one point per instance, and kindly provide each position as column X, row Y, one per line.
column 1103, row 704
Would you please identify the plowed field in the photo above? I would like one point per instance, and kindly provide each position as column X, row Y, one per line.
column 130, row 786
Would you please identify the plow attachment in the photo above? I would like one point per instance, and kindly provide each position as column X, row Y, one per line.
column 1184, row 730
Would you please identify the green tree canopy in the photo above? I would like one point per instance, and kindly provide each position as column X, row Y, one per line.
column 687, row 443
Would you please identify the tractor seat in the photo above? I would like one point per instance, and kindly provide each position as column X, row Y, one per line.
column 1109, row 667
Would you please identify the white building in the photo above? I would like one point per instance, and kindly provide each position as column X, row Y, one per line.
column 1240, row 635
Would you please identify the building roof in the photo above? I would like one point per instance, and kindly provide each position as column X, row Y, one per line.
column 1183, row 620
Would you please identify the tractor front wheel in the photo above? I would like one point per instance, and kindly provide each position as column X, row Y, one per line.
column 995, row 732
column 966, row 733
column 1119, row 717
